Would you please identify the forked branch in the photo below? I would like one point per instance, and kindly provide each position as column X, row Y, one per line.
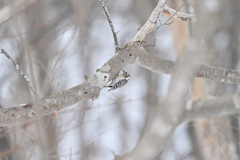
column 166, row 23
column 160, row 8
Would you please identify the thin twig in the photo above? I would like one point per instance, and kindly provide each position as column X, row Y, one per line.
column 166, row 23
column 7, row 11
column 20, row 70
column 111, row 25
column 179, row 15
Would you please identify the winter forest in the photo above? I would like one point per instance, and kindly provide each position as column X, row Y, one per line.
column 58, row 57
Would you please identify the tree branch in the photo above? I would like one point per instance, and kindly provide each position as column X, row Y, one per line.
column 159, row 65
column 18, row 68
column 212, row 107
column 149, row 25
column 179, row 15
column 168, row 114
column 91, row 88
column 161, row 8
column 132, row 53
column 111, row 25
column 88, row 90
column 7, row 12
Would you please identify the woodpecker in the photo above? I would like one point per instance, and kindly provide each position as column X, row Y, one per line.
column 119, row 81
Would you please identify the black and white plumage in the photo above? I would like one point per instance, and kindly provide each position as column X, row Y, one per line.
column 119, row 81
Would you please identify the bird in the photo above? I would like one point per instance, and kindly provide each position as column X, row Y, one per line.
column 119, row 81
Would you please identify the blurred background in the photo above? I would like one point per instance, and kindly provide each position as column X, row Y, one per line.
column 57, row 42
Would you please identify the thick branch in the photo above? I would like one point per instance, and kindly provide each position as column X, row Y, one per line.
column 168, row 114
column 212, row 107
column 88, row 90
column 28, row 112
column 149, row 25
column 132, row 53
column 159, row 65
